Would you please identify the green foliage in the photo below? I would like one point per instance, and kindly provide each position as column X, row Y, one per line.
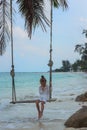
column 76, row 66
column 66, row 65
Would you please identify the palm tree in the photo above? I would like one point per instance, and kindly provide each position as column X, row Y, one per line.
column 82, row 50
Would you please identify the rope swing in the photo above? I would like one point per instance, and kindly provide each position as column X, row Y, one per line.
column 50, row 64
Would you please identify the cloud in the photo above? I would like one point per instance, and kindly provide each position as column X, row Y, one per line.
column 83, row 20
column 19, row 32
column 23, row 46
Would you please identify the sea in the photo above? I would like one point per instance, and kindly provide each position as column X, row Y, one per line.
column 66, row 86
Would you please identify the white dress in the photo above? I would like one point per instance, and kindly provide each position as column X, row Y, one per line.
column 44, row 94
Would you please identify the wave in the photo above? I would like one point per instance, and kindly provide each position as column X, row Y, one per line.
column 4, row 104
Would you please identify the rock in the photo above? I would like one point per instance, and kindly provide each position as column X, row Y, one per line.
column 78, row 119
column 82, row 97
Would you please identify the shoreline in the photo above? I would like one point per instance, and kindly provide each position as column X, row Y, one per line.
column 41, row 125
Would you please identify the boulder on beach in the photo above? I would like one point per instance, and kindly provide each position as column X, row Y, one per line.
column 78, row 119
column 82, row 97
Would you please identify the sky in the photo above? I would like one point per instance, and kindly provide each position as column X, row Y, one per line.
column 33, row 55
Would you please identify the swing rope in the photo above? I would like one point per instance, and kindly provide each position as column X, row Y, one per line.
column 50, row 64
column 12, row 73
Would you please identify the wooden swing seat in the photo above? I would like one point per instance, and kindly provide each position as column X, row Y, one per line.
column 31, row 101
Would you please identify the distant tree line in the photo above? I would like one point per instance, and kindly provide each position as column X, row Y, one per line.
column 78, row 65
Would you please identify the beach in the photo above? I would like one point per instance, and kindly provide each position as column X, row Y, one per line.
column 23, row 116
column 41, row 125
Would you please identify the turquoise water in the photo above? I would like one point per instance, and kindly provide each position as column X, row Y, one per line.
column 66, row 86
column 27, row 84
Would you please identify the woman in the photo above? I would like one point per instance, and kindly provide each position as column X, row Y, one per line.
column 44, row 96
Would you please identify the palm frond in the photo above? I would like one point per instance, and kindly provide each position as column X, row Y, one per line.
column 33, row 12
column 55, row 3
column 58, row 3
column 4, row 27
column 79, row 48
column 63, row 4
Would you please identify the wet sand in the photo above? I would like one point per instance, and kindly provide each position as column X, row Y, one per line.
column 40, row 125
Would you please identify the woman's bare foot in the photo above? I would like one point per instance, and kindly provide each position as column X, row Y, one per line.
column 40, row 114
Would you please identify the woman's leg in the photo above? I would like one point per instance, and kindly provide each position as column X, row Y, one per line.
column 38, row 108
column 42, row 107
